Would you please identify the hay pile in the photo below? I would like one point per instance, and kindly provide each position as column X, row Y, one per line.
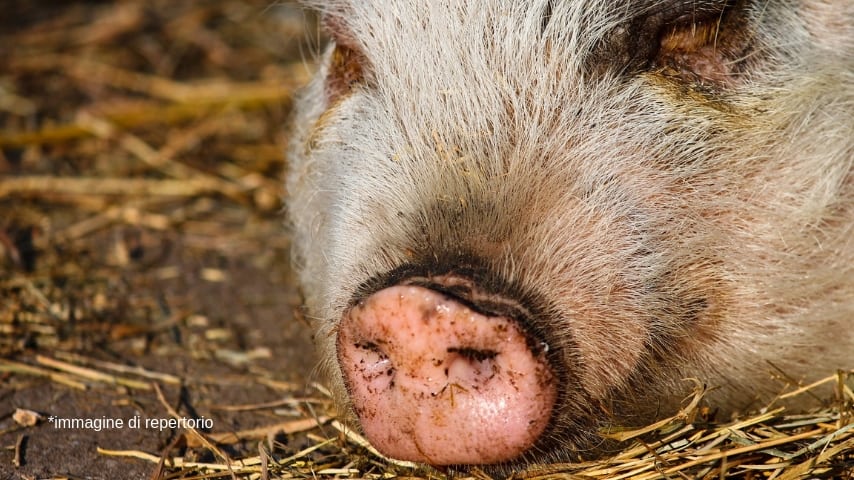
column 768, row 445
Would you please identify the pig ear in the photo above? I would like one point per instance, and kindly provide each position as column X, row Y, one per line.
column 348, row 61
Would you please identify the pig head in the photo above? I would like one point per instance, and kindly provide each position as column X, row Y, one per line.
column 516, row 223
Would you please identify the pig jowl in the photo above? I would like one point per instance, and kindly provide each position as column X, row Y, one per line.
column 517, row 223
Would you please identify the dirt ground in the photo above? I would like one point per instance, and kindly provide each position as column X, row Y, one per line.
column 145, row 279
column 141, row 158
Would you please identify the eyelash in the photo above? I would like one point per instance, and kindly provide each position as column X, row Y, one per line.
column 708, row 52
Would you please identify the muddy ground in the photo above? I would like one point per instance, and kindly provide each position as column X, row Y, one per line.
column 141, row 158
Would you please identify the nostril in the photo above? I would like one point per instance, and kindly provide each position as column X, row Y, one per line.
column 373, row 365
column 474, row 354
column 471, row 367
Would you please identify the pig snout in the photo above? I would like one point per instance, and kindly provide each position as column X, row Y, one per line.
column 433, row 380
column 517, row 225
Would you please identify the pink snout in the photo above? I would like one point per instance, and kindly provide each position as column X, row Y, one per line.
column 433, row 381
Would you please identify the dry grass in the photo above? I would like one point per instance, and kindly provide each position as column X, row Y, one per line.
column 770, row 444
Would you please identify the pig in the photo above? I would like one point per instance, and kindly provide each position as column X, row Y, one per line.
column 518, row 223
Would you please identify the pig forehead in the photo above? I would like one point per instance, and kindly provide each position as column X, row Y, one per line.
column 465, row 30
column 512, row 30
column 373, row 17
column 486, row 59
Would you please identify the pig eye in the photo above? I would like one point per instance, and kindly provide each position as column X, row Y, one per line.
column 346, row 67
column 704, row 48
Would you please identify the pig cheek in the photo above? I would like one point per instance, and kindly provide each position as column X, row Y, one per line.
column 611, row 348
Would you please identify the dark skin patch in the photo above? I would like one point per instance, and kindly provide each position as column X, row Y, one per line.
column 705, row 50
column 632, row 46
column 699, row 42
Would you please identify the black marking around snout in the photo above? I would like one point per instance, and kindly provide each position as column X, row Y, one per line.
column 494, row 297
column 531, row 311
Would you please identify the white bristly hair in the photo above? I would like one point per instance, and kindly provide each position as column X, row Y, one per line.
column 669, row 224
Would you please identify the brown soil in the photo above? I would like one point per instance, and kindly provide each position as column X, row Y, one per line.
column 103, row 107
